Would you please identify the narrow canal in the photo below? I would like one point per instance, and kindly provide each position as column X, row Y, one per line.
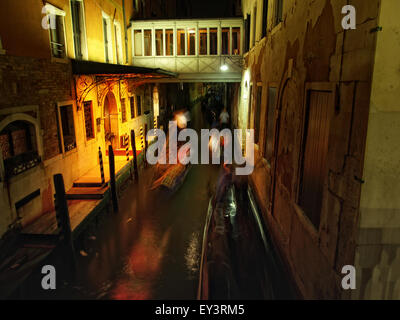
column 152, row 248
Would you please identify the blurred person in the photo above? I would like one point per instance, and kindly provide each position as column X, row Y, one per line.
column 224, row 119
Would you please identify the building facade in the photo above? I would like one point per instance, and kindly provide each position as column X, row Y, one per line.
column 323, row 105
column 54, row 117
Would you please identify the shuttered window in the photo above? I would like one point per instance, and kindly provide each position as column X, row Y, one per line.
column 257, row 115
column 269, row 140
column 76, row 8
column 315, row 150
column 88, row 113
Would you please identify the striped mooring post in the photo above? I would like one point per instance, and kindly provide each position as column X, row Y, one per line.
column 135, row 164
column 103, row 179
column 155, row 122
column 145, row 145
column 142, row 137
column 126, row 142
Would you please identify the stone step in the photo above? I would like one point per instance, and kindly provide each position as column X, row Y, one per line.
column 86, row 193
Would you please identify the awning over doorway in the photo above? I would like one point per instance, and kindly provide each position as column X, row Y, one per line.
column 80, row 67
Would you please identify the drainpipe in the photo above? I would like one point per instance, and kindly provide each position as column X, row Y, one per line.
column 125, row 32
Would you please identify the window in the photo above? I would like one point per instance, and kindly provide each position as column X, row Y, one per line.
column 181, row 42
column 123, row 110
column 191, row 45
column 159, row 43
column 138, row 43
column 138, row 106
column 67, row 128
column 255, row 39
column 203, row 42
column 148, row 50
column 247, row 24
column 278, row 11
column 118, row 42
column 250, row 107
column 57, row 34
column 107, row 38
column 265, row 18
column 235, row 41
column 315, row 149
column 18, row 147
column 269, row 139
column 132, row 100
column 2, row 51
column 169, row 39
column 257, row 115
column 88, row 113
column 213, row 41
column 225, row 41
column 78, row 24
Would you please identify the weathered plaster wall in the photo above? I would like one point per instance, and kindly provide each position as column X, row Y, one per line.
column 378, row 245
column 310, row 46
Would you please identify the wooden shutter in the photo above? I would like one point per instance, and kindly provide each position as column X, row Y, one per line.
column 76, row 15
column 314, row 167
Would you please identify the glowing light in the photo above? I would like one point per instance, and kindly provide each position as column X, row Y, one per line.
column 224, row 67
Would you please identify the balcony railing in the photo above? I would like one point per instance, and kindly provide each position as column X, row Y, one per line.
column 21, row 163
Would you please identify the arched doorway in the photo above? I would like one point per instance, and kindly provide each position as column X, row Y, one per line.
column 111, row 120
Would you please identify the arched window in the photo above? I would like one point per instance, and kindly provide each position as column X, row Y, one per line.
column 19, row 147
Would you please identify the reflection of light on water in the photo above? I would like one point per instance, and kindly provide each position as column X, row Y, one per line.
column 192, row 256
column 143, row 266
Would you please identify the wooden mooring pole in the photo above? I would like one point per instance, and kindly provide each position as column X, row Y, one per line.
column 103, row 179
column 113, row 184
column 64, row 223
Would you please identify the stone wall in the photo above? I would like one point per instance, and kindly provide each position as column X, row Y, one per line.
column 310, row 48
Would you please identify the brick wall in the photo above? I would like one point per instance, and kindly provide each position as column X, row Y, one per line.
column 31, row 81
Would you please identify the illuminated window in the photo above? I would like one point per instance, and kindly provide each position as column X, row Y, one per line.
column 159, row 43
column 203, row 42
column 123, row 110
column 169, row 42
column 138, row 43
column 225, row 41
column 236, row 41
column 181, row 42
column 88, row 113
column 147, row 43
column 213, row 41
column 191, row 42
